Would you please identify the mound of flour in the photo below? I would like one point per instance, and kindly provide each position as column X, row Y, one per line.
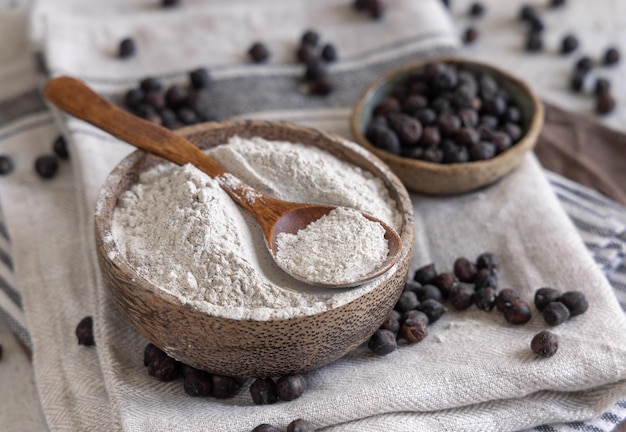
column 182, row 232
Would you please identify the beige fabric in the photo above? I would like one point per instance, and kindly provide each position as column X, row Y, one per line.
column 474, row 372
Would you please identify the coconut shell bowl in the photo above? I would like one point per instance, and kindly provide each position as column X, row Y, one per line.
column 499, row 108
column 247, row 347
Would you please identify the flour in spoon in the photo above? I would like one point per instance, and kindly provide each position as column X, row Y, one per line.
column 182, row 231
column 342, row 245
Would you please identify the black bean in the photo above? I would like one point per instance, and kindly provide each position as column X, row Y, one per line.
column 584, row 64
column 501, row 140
column 391, row 323
column 263, row 391
column 611, row 56
column 384, row 138
column 470, row 35
column 382, row 342
column 488, row 122
column 265, row 427
column 433, row 309
column 169, row 3
column 469, row 117
column 413, row 103
column 518, row 312
column 495, row 106
column 544, row 296
column 413, row 331
column 555, row 313
column 512, row 130
column 430, row 136
column 199, row 78
column 163, row 367
column 329, row 53
column 176, row 96
column 415, row 315
column 150, row 352
column 569, row 44
column 84, row 332
column 376, row 9
column 448, row 124
column 535, row 25
column 513, row 114
column 197, row 383
column 155, row 99
column 485, row 298
column 545, row 343
column 482, row 150
column 577, row 81
column 425, row 274
column 310, row 37
column 321, row 86
column 187, row 116
column 46, row 166
column 477, row 10
column 127, row 48
column 426, row 116
column 300, row 425
column 290, row 387
column 258, row 52
column 527, row 12
column 223, row 387
column 387, row 105
column 133, row 98
column 575, row 301
column 431, row 154
column 454, row 153
column 534, row 42
column 6, row 165
column 464, row 269
column 462, row 296
column 407, row 128
column 305, row 53
column 605, row 103
column 150, row 84
column 428, row 291
column 316, row 69
column 603, row 85
column 505, row 297
column 557, row 3
column 485, row 278
column 169, row 118
column 445, row 282
column 407, row 301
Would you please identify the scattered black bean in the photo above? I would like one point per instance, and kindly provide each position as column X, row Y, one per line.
column 150, row 84
column 223, row 387
column 197, row 383
column 413, row 330
column 518, row 312
column 555, row 313
column 133, row 98
column 290, row 387
column 300, row 425
column 445, row 282
column 6, row 165
column 316, row 69
column 485, row 298
column 169, row 3
column 536, row 25
column 584, row 64
column 46, row 166
column 577, row 82
column 265, row 427
column 263, row 391
column 383, row 342
column 545, row 343
column 575, row 301
column 470, row 35
column 391, row 323
column 310, row 37
column 462, row 296
column 375, row 9
column 464, row 269
column 415, row 315
column 425, row 274
column 534, row 42
column 329, row 53
column 485, row 278
column 605, row 103
column 199, row 78
column 557, row 3
column 505, row 298
column 150, row 352
column 187, row 116
column 611, row 56
column 60, row 147
column 84, row 332
column 258, row 52
column 569, row 44
column 127, row 48
column 544, row 296
column 433, row 309
column 407, row 301
column 487, row 260
column 527, row 13
column 163, row 367
column 477, row 10
column 427, row 292
column 603, row 85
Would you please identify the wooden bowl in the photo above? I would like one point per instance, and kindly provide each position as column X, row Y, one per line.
column 248, row 348
column 444, row 179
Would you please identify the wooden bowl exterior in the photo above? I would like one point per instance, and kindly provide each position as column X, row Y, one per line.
column 247, row 348
column 446, row 179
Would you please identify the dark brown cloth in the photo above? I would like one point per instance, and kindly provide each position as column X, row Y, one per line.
column 584, row 150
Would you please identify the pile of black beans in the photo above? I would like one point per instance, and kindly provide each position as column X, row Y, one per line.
column 446, row 113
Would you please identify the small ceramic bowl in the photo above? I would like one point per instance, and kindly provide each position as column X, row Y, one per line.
column 453, row 178
column 248, row 348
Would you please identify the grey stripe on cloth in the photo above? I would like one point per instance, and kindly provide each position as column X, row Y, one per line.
column 20, row 105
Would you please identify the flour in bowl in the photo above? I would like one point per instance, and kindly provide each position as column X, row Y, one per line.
column 183, row 233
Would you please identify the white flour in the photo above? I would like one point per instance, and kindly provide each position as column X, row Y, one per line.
column 340, row 246
column 186, row 235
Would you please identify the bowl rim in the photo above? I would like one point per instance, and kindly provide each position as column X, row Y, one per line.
column 525, row 144
column 103, row 225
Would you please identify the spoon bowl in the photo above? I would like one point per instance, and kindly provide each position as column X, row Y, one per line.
column 273, row 215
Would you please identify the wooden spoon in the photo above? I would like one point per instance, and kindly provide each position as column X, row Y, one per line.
column 273, row 215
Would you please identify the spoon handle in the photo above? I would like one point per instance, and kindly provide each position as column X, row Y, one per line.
column 75, row 98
